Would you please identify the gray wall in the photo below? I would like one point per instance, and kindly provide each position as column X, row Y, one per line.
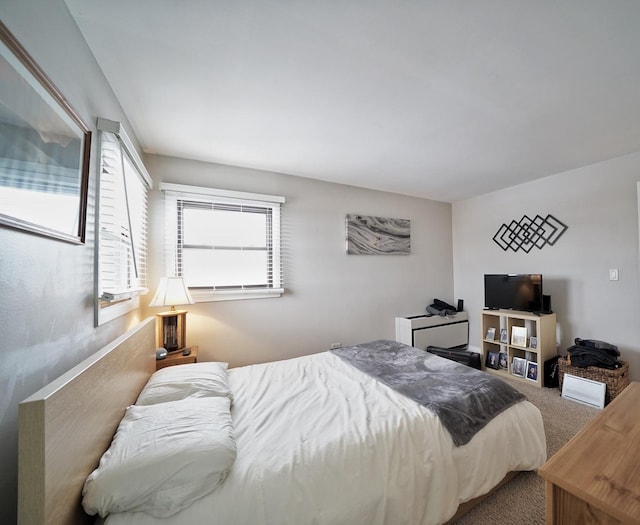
column 47, row 285
column 599, row 204
column 330, row 296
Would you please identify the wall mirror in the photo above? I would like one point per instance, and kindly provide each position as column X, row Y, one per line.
column 44, row 150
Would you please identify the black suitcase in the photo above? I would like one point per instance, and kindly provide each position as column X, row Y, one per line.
column 459, row 355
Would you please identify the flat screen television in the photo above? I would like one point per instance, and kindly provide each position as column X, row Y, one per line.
column 513, row 292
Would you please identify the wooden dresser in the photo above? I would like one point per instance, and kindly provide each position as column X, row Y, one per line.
column 595, row 477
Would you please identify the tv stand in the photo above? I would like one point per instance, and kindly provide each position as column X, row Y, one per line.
column 537, row 324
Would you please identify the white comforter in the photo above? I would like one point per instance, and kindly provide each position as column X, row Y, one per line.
column 321, row 443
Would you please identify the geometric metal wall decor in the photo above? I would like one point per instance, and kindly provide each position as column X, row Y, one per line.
column 366, row 235
column 528, row 233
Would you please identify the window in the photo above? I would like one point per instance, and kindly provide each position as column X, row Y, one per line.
column 225, row 244
column 122, row 223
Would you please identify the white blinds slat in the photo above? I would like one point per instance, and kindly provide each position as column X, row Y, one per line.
column 123, row 221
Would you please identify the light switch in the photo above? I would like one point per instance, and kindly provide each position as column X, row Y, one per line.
column 613, row 274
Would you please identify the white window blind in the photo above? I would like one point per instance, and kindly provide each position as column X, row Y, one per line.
column 226, row 245
column 122, row 242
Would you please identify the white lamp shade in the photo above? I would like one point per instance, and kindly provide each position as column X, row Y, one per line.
column 172, row 291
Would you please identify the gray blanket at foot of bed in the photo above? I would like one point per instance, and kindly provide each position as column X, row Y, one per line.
column 464, row 399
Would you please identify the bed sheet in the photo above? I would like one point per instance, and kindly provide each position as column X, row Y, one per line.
column 321, row 443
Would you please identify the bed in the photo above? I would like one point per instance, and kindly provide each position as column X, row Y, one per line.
column 369, row 455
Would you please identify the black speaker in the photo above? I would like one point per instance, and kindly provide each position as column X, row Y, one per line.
column 546, row 304
column 460, row 305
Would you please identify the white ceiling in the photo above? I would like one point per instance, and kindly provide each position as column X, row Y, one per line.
column 440, row 99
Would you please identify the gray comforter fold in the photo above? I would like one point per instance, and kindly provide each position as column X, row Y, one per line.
column 464, row 399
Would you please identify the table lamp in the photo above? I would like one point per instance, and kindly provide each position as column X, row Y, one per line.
column 172, row 325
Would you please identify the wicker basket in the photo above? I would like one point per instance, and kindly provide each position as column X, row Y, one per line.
column 616, row 380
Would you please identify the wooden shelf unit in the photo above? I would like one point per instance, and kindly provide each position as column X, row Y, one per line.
column 542, row 327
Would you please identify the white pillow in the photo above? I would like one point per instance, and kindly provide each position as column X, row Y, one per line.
column 163, row 458
column 208, row 379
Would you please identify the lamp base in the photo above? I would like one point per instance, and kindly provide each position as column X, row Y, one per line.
column 171, row 330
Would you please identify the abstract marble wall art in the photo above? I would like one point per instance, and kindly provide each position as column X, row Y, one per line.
column 367, row 235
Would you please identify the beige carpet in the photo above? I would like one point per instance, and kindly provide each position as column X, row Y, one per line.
column 521, row 501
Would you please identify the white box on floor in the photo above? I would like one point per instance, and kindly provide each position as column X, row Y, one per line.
column 584, row 391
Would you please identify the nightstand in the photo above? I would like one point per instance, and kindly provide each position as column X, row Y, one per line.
column 176, row 358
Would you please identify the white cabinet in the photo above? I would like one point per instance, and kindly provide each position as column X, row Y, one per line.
column 433, row 330
column 523, row 339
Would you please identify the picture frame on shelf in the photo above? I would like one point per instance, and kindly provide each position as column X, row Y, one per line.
column 519, row 367
column 503, row 361
column 519, row 336
column 533, row 342
column 532, row 371
column 491, row 334
column 504, row 336
column 492, row 360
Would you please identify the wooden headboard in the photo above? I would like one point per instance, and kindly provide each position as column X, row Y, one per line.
column 65, row 427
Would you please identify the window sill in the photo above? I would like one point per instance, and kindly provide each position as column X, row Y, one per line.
column 121, row 303
column 205, row 296
column 109, row 298
column 115, row 310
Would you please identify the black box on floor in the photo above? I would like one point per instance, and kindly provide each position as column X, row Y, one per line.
column 458, row 354
column 552, row 373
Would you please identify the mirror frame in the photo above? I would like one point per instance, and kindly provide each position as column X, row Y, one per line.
column 13, row 51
